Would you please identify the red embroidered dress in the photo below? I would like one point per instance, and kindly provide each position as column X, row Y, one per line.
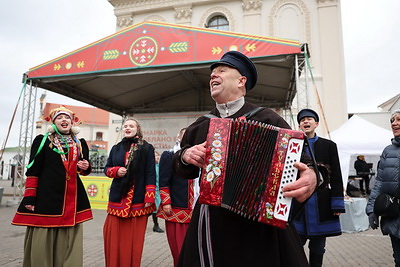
column 53, row 185
column 176, row 191
column 143, row 189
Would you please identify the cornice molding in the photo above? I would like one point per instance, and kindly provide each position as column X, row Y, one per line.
column 327, row 2
column 183, row 13
column 140, row 5
column 155, row 18
column 124, row 21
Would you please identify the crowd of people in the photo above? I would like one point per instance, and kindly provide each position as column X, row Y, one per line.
column 146, row 184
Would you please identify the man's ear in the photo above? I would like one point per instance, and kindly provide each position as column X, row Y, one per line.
column 242, row 82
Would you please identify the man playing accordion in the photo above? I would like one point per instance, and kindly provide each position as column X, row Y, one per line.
column 216, row 236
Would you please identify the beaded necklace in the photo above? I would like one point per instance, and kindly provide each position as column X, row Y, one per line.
column 63, row 143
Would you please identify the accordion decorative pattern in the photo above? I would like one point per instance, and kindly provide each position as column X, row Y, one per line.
column 246, row 166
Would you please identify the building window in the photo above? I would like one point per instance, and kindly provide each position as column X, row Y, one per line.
column 99, row 136
column 218, row 23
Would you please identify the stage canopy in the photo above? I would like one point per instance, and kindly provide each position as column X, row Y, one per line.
column 159, row 67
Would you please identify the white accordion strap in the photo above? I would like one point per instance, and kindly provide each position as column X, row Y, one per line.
column 204, row 218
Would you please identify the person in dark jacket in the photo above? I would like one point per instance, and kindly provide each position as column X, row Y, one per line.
column 177, row 201
column 217, row 236
column 387, row 181
column 320, row 217
column 55, row 202
column 362, row 169
column 131, row 165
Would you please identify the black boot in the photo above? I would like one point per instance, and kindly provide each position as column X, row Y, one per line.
column 156, row 228
column 316, row 259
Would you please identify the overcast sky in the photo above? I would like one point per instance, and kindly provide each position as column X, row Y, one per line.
column 33, row 32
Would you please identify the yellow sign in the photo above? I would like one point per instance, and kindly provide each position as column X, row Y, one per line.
column 97, row 189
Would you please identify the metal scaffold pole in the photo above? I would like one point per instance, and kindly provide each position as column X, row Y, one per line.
column 303, row 97
column 25, row 140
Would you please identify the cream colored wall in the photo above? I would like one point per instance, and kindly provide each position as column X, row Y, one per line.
column 316, row 22
column 114, row 133
column 332, row 64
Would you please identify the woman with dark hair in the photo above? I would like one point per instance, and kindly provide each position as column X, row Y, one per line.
column 55, row 202
column 131, row 164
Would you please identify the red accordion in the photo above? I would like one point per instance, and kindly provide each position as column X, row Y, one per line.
column 247, row 163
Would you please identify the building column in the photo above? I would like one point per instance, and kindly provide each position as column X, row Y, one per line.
column 252, row 16
column 333, row 97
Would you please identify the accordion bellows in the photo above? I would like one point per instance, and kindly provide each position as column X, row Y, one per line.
column 247, row 163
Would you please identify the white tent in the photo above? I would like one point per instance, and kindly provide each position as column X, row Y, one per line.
column 359, row 137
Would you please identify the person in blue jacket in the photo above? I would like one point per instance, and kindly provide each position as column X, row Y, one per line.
column 320, row 217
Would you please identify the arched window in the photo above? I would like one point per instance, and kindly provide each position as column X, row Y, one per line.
column 218, row 23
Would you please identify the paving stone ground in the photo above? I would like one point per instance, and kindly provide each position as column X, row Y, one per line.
column 368, row 248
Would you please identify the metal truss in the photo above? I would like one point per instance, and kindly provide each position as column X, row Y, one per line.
column 303, row 88
column 25, row 140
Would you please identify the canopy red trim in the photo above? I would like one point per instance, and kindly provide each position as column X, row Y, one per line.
column 156, row 44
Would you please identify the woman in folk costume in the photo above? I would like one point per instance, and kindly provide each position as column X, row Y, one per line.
column 131, row 164
column 55, row 202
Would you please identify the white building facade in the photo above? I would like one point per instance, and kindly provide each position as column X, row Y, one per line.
column 315, row 22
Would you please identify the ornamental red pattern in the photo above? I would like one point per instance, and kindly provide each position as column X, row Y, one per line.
column 213, row 172
column 92, row 190
column 264, row 200
column 126, row 209
column 30, row 186
column 165, row 195
column 112, row 172
column 143, row 51
column 179, row 215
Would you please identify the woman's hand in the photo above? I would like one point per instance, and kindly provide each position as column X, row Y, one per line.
column 373, row 221
column 30, row 207
column 83, row 164
column 121, row 172
column 167, row 209
column 146, row 205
